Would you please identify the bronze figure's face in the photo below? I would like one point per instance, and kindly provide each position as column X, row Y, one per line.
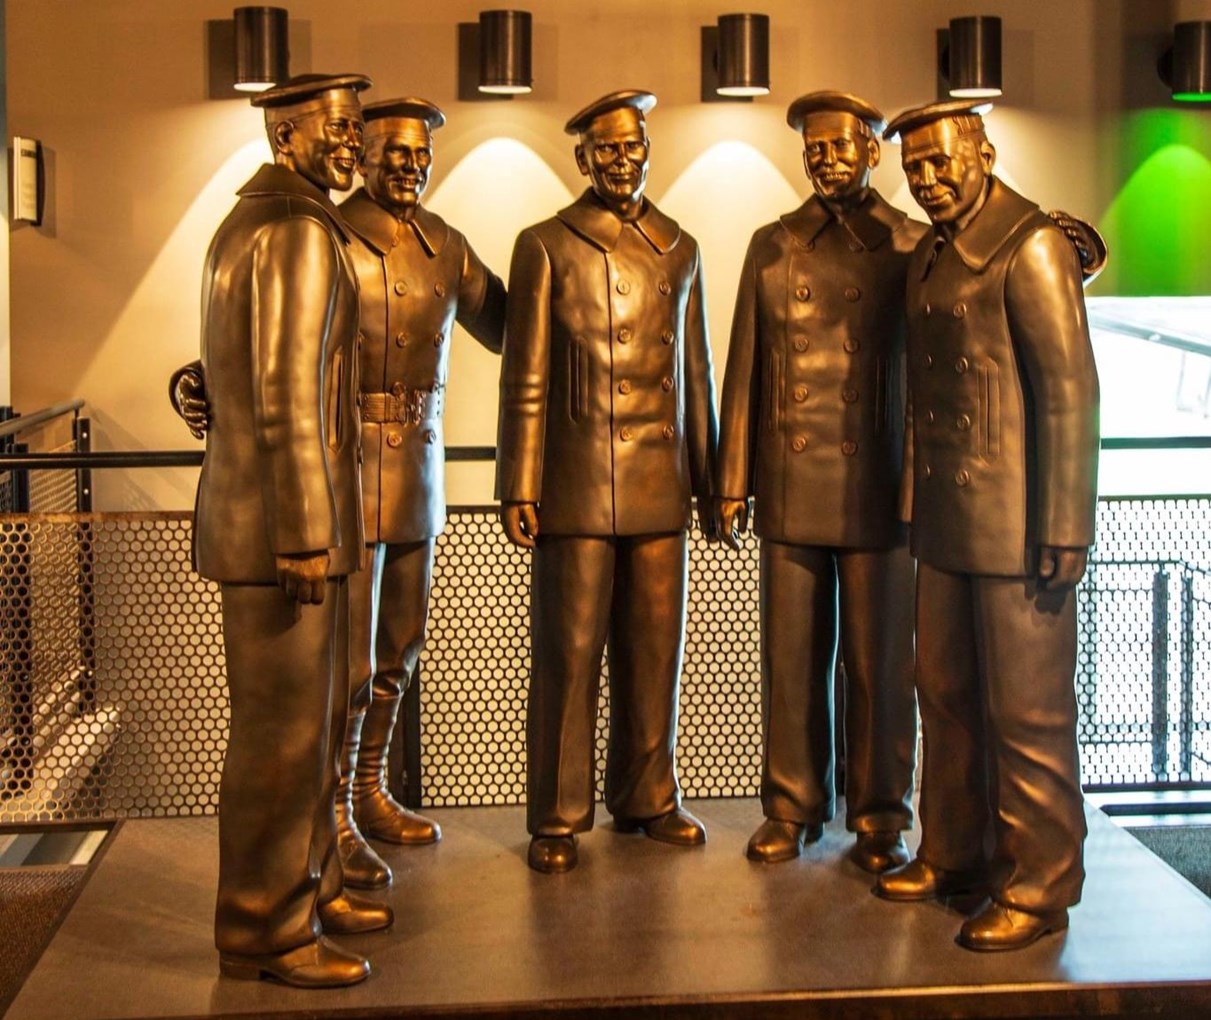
column 948, row 169
column 839, row 153
column 613, row 154
column 323, row 140
column 396, row 162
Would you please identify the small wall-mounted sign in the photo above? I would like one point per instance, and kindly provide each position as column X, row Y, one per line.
column 28, row 184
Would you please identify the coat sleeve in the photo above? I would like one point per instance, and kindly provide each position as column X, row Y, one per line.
column 741, row 390
column 524, row 373
column 702, row 421
column 295, row 274
column 1046, row 314
column 481, row 301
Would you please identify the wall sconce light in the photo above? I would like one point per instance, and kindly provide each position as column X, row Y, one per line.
column 969, row 58
column 262, row 48
column 504, row 53
column 1186, row 66
column 735, row 58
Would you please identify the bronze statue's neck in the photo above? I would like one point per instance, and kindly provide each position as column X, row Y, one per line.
column 846, row 206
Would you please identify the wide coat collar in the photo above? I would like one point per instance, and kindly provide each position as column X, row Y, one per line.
column 589, row 217
column 276, row 180
column 380, row 228
column 997, row 220
column 870, row 225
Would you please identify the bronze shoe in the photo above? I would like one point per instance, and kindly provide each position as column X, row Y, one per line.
column 777, row 840
column 879, row 851
column 351, row 914
column 920, row 880
column 317, row 964
column 552, row 855
column 998, row 927
column 678, row 827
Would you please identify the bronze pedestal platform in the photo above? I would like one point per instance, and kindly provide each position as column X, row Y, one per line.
column 638, row 929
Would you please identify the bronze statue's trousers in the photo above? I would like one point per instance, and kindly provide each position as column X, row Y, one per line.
column 806, row 592
column 388, row 610
column 995, row 663
column 629, row 592
column 277, row 829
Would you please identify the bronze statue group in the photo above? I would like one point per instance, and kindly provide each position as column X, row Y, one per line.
column 909, row 413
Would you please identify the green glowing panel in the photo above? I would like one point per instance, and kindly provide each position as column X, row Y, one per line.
column 1158, row 227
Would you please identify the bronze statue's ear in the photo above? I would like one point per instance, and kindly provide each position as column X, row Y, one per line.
column 581, row 161
column 282, row 132
column 875, row 153
column 988, row 155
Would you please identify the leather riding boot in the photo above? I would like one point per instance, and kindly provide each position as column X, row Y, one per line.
column 377, row 813
column 363, row 868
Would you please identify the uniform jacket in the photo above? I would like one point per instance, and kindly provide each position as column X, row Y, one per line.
column 279, row 333
column 417, row 279
column 813, row 406
column 607, row 411
column 1003, row 394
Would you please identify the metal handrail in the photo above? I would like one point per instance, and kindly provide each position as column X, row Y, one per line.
column 165, row 458
column 15, row 426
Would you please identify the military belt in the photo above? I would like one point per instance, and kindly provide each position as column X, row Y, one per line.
column 405, row 406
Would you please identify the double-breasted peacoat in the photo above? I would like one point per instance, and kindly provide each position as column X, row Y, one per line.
column 417, row 279
column 607, row 411
column 1003, row 394
column 279, row 298
column 813, row 406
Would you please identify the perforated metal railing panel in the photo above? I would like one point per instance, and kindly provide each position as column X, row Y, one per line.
column 112, row 701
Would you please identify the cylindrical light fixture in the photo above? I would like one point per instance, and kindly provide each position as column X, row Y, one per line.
column 1186, row 68
column 262, row 48
column 743, row 61
column 504, row 52
column 974, row 64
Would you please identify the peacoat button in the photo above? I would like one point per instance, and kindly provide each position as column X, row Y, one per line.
column 849, row 448
column 627, row 433
column 664, row 287
column 927, row 471
column 439, row 289
column 624, row 387
column 852, row 293
column 961, row 365
column 803, row 292
column 962, row 478
column 810, row 246
column 439, row 339
column 624, row 335
column 849, row 396
column 623, row 287
column 929, row 417
column 401, row 339
column 929, row 361
column 800, row 393
column 666, row 383
column 928, row 309
column 668, row 432
column 963, row 423
column 801, row 344
column 430, row 437
column 852, row 345
column 854, row 246
column 666, row 337
column 960, row 310
column 401, row 288
column 799, row 444
column 394, row 439
column 397, row 390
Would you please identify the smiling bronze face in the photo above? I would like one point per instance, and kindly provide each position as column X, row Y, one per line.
column 839, row 153
column 396, row 162
column 323, row 142
column 948, row 164
column 613, row 153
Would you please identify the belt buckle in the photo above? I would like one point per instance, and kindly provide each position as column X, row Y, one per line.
column 414, row 407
